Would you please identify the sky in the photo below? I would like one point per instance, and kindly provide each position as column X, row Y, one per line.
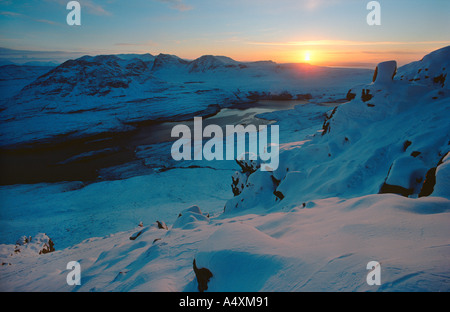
column 320, row 32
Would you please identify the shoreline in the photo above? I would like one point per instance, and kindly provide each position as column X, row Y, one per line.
column 81, row 159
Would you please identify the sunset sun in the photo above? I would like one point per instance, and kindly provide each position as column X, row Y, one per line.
column 307, row 56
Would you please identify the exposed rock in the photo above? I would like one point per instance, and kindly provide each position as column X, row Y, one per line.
column 247, row 164
column 406, row 144
column 350, row 95
column 430, row 179
column 135, row 235
column 440, row 79
column 326, row 123
column 278, row 194
column 428, row 184
column 395, row 189
column 40, row 244
column 238, row 182
column 203, row 276
column 161, row 225
column 366, row 96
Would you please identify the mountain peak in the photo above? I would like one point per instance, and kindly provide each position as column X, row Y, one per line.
column 167, row 60
column 209, row 62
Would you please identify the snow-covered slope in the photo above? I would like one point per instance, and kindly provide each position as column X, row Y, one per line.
column 14, row 77
column 432, row 70
column 385, row 139
column 365, row 181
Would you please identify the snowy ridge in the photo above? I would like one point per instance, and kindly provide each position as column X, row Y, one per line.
column 367, row 180
column 432, row 70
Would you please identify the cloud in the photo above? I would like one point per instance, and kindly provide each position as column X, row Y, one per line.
column 177, row 5
column 46, row 22
column 94, row 8
column 11, row 14
column 22, row 16
column 91, row 7
column 345, row 43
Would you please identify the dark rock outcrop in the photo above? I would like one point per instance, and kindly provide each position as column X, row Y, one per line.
column 395, row 189
column 326, row 123
column 161, row 225
column 430, row 180
column 366, row 96
column 203, row 276
column 350, row 95
column 428, row 184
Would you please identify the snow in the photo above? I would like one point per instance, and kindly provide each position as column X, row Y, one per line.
column 321, row 248
column 385, row 72
column 314, row 224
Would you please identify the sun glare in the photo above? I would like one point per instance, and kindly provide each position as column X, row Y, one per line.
column 307, row 57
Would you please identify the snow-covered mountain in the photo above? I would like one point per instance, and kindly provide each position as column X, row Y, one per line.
column 97, row 94
column 210, row 62
column 367, row 180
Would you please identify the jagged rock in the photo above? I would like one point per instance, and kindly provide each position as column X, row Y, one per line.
column 23, row 240
column 238, row 182
column 406, row 144
column 430, row 178
column 395, row 189
column 135, row 235
column 278, row 194
column 161, row 225
column 366, row 96
column 47, row 247
column 326, row 123
column 248, row 165
column 440, row 79
column 203, row 276
column 350, row 95
column 39, row 244
column 428, row 184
